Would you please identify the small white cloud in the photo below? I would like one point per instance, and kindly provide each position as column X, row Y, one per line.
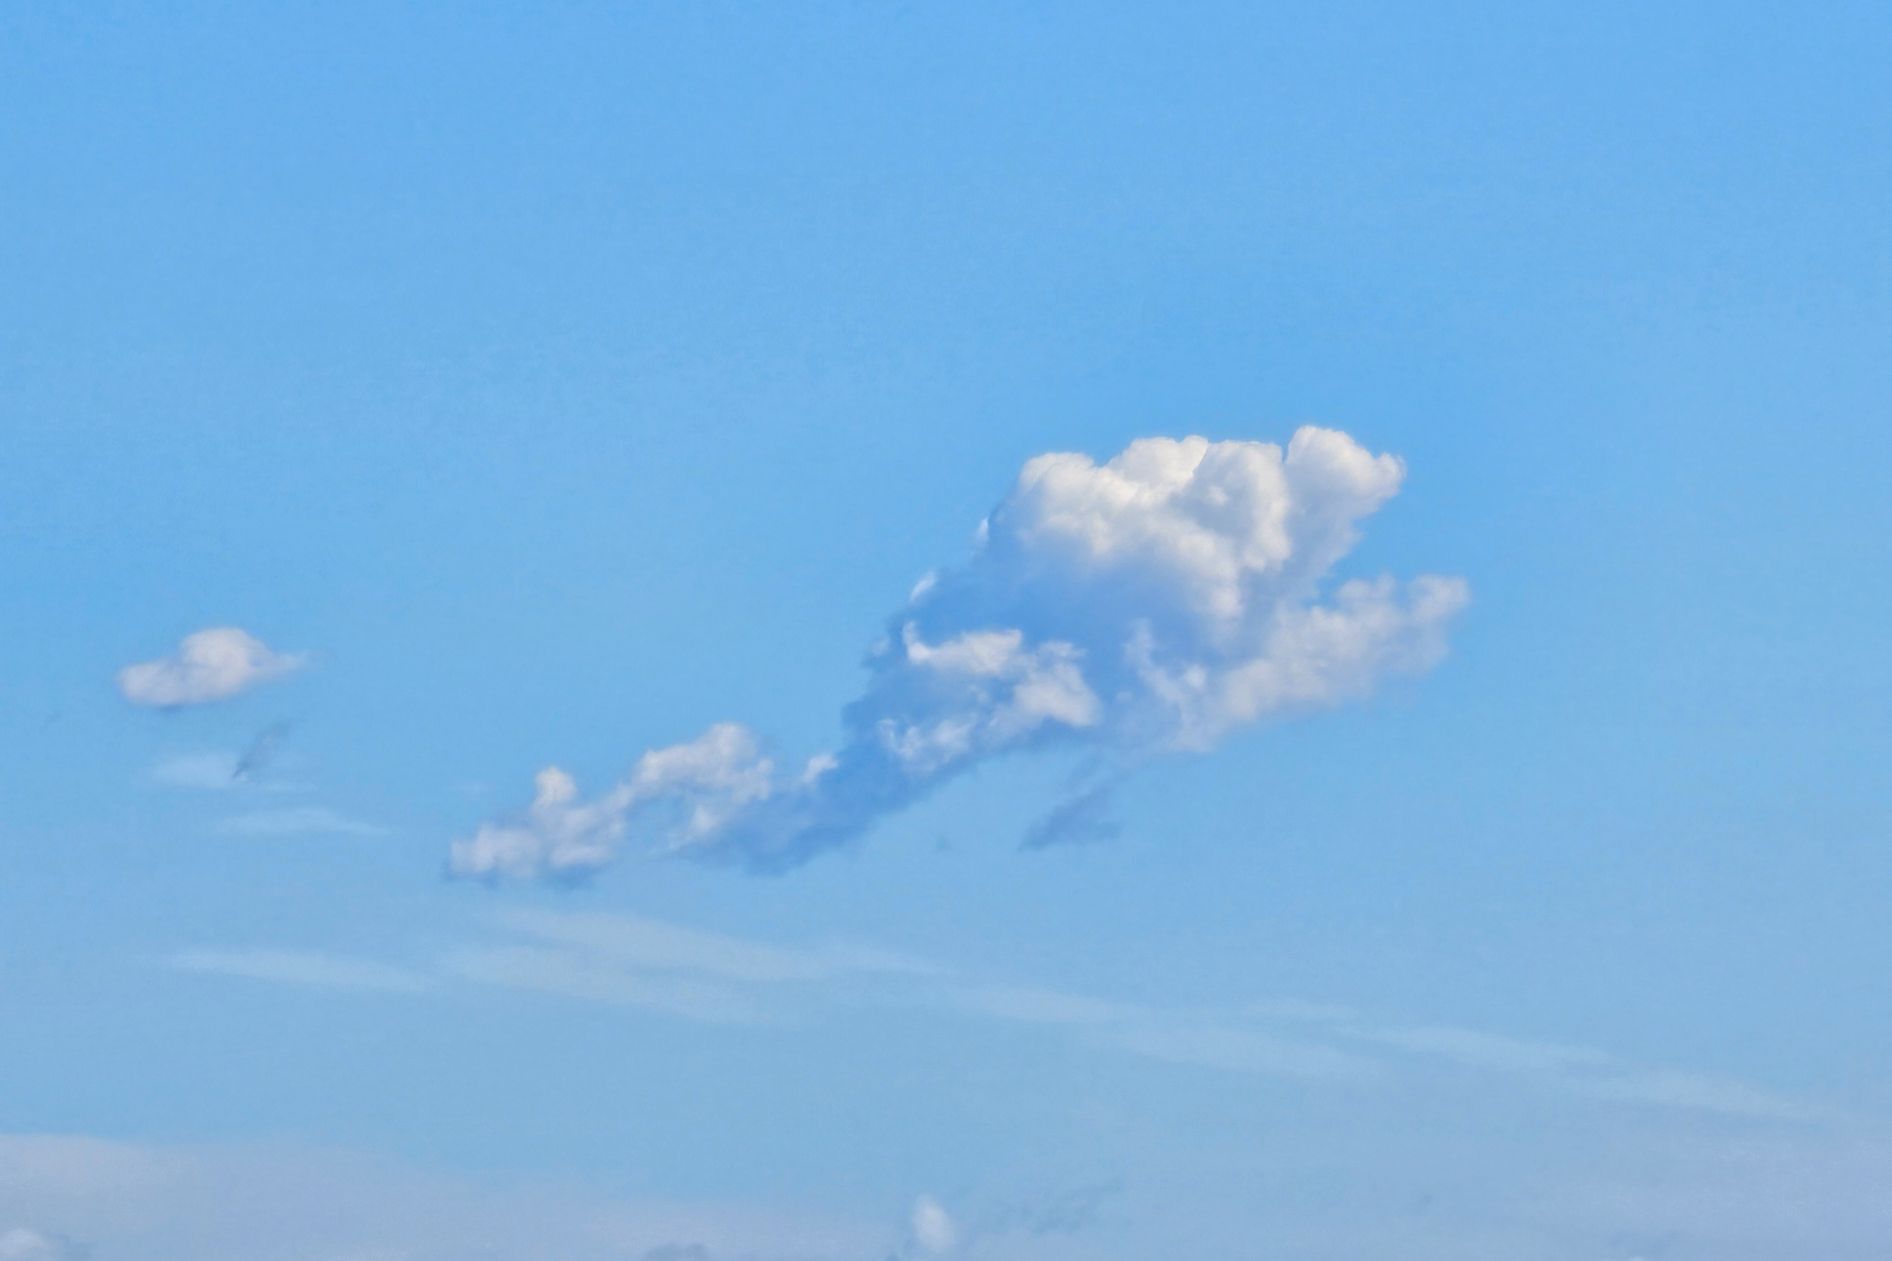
column 299, row 821
column 933, row 1227
column 209, row 665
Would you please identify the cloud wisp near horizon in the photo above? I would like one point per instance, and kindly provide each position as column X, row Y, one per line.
column 1151, row 604
column 638, row 963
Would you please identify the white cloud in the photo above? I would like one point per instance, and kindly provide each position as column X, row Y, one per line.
column 1153, row 603
column 933, row 1228
column 1208, row 520
column 697, row 788
column 209, row 665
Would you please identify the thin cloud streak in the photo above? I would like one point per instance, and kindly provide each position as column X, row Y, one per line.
column 572, row 975
column 1592, row 1073
column 313, row 969
column 670, row 970
column 639, row 942
column 299, row 821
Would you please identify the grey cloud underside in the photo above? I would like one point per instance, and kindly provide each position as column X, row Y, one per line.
column 1081, row 819
column 1148, row 605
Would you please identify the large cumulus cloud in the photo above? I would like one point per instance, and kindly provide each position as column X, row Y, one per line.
column 1152, row 603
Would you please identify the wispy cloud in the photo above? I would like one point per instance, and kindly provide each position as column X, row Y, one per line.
column 304, row 968
column 299, row 821
column 223, row 770
column 1589, row 1072
column 1700, row 1092
column 211, row 771
column 1150, row 604
column 573, row 974
column 1471, row 1049
column 1028, row 1005
column 207, row 665
column 667, row 969
column 646, row 944
column 634, row 961
column 1232, row 1049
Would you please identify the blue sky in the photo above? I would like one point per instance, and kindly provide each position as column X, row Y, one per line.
column 541, row 387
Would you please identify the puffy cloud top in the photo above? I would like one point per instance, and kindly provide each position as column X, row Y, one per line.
column 1152, row 603
column 1209, row 520
column 209, row 665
